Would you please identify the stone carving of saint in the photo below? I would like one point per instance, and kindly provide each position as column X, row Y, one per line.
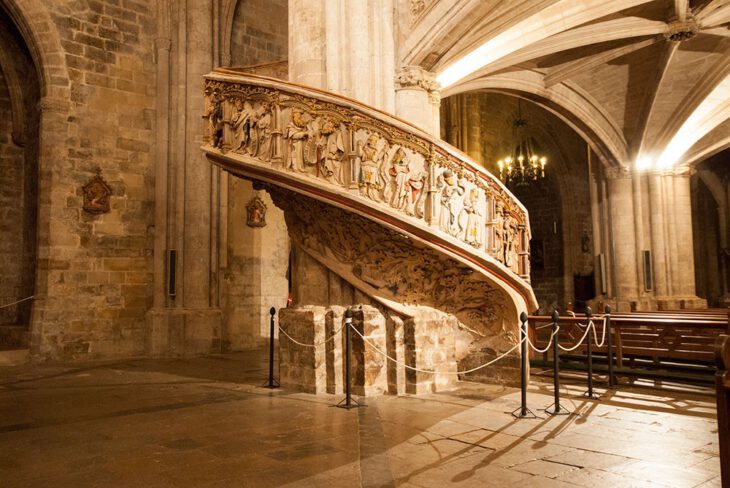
column 214, row 114
column 240, row 126
column 498, row 234
column 371, row 158
column 416, row 183
column 297, row 133
column 263, row 129
column 331, row 151
column 451, row 190
column 399, row 169
column 472, row 218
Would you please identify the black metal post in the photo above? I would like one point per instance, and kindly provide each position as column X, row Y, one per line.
column 272, row 383
column 348, row 401
column 609, row 348
column 556, row 408
column 524, row 411
column 589, row 353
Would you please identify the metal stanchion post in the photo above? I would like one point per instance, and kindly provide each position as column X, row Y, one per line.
column 589, row 353
column 348, row 402
column 523, row 410
column 609, row 350
column 272, row 383
column 556, row 408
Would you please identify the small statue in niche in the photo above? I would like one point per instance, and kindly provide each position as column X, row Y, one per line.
column 472, row 218
column 371, row 157
column 451, row 190
column 298, row 134
column 399, row 169
column 256, row 212
column 214, row 114
column 416, row 182
column 97, row 194
column 331, row 150
column 241, row 126
column 263, row 128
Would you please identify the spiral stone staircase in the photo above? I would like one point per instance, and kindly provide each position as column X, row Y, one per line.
column 431, row 249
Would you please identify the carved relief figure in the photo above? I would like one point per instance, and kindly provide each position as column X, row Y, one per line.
column 240, row 126
column 371, row 158
column 399, row 169
column 214, row 114
column 416, row 183
column 331, row 151
column 263, row 130
column 97, row 194
column 451, row 190
column 297, row 134
column 472, row 219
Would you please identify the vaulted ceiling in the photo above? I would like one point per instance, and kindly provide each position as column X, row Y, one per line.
column 646, row 82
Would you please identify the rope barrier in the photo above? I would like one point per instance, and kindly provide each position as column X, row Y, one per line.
column 603, row 334
column 419, row 370
column 19, row 301
column 580, row 342
column 550, row 342
column 317, row 344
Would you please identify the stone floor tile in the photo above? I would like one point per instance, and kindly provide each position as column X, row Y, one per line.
column 547, row 469
column 662, row 474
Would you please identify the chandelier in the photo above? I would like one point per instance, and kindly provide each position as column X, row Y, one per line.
column 524, row 165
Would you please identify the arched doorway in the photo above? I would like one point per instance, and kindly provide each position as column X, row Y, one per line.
column 562, row 252
column 20, row 91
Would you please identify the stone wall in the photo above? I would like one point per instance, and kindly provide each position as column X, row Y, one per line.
column 95, row 270
column 260, row 32
column 12, row 215
column 256, row 270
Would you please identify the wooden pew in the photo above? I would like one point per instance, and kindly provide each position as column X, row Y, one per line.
column 663, row 340
column 722, row 393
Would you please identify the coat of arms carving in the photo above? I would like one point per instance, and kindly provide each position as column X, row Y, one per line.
column 97, row 193
column 256, row 212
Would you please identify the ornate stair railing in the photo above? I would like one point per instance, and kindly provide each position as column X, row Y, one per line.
column 365, row 161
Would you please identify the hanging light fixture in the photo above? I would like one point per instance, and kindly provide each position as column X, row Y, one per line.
column 524, row 165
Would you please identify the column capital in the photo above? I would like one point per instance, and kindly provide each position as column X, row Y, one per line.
column 415, row 77
column 618, row 172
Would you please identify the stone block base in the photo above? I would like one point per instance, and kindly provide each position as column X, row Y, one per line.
column 425, row 341
column 186, row 332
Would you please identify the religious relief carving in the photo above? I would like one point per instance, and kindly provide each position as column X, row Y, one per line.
column 394, row 267
column 416, row 8
column 97, row 194
column 256, row 212
column 367, row 157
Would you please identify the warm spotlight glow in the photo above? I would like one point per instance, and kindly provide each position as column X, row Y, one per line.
column 645, row 163
column 711, row 112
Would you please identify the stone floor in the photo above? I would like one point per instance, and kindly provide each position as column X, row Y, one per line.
column 206, row 422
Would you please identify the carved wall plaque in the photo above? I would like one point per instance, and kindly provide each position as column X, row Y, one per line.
column 256, row 212
column 97, row 193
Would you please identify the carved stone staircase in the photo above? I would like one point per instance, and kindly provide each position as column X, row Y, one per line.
column 424, row 237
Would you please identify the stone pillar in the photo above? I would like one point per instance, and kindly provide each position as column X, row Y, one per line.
column 658, row 244
column 414, row 101
column 345, row 46
column 301, row 367
column 685, row 246
column 307, row 56
column 621, row 210
column 671, row 239
column 636, row 180
column 430, row 344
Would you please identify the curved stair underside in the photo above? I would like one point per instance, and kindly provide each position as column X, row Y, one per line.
column 403, row 217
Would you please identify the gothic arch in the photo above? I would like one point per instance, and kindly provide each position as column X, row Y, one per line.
column 574, row 107
column 39, row 32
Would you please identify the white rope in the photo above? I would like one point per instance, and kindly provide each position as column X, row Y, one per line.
column 603, row 334
column 317, row 344
column 580, row 342
column 438, row 372
column 19, row 301
column 550, row 342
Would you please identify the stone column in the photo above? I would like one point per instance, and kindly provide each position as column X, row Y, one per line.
column 413, row 98
column 685, row 250
column 621, row 209
column 307, row 56
column 658, row 244
column 636, row 178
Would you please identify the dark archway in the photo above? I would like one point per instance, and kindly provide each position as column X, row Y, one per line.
column 20, row 91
